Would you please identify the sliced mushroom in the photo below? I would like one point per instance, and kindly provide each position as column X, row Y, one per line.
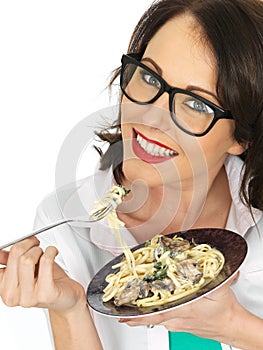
column 134, row 290
column 175, row 245
column 165, row 284
column 189, row 270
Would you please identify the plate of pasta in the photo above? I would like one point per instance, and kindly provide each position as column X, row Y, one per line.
column 166, row 272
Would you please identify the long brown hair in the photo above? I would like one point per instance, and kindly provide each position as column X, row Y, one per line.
column 234, row 31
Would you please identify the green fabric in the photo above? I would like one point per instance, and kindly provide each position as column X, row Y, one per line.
column 187, row 341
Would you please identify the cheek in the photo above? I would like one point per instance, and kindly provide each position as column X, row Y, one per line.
column 127, row 134
column 217, row 143
column 126, row 131
column 130, row 112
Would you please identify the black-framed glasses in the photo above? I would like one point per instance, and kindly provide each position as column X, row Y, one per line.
column 192, row 113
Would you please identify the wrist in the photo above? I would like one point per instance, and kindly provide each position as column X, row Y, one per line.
column 72, row 328
column 244, row 330
column 78, row 307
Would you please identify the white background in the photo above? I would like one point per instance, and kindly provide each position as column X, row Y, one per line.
column 55, row 60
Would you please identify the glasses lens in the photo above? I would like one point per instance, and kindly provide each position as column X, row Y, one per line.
column 191, row 113
column 139, row 84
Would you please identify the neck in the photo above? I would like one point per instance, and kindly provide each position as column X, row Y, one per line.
column 176, row 207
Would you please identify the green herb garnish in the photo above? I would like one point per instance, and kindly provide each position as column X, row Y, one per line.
column 159, row 273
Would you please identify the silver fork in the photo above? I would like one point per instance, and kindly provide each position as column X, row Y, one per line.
column 110, row 202
column 96, row 216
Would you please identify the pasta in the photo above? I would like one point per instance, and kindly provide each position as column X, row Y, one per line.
column 164, row 270
column 111, row 200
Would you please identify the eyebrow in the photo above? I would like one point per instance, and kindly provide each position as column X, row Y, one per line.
column 188, row 88
column 148, row 59
column 198, row 88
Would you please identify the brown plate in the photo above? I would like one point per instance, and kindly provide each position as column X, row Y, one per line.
column 232, row 245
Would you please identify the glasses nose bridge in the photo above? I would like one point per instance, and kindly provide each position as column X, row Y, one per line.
column 164, row 103
column 165, row 87
column 169, row 89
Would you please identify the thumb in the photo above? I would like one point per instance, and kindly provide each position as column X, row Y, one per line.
column 232, row 278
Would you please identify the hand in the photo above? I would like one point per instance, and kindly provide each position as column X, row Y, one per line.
column 31, row 278
column 210, row 317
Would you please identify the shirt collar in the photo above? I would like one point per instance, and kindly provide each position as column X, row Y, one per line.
column 240, row 218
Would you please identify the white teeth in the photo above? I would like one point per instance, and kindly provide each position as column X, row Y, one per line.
column 154, row 149
column 149, row 147
column 143, row 143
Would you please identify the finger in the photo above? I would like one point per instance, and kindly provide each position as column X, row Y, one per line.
column 24, row 245
column 3, row 261
column 2, row 271
column 3, row 257
column 27, row 276
column 132, row 322
column 9, row 283
column 142, row 321
column 46, row 268
column 234, row 277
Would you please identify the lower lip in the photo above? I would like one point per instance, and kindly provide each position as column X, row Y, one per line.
column 146, row 157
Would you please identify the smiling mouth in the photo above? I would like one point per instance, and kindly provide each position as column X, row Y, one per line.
column 152, row 151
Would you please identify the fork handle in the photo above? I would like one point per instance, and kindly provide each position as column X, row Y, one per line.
column 34, row 233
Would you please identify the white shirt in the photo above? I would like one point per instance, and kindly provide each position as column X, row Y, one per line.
column 84, row 249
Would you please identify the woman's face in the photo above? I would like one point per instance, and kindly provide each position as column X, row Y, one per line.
column 178, row 53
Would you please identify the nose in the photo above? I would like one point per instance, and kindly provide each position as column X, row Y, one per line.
column 157, row 114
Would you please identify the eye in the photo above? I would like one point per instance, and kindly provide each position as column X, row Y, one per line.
column 150, row 79
column 198, row 106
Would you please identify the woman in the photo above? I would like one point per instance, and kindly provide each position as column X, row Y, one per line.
column 191, row 109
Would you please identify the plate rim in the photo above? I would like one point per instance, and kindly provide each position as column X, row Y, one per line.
column 172, row 307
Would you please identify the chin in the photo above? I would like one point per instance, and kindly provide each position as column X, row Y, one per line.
column 136, row 170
